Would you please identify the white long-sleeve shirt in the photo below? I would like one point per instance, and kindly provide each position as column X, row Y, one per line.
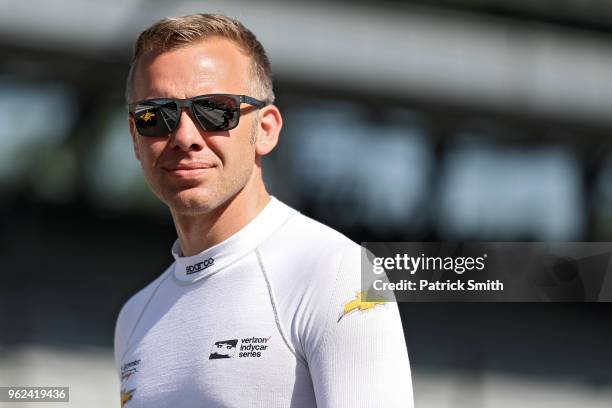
column 270, row 317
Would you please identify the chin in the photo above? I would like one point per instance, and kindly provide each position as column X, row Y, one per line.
column 193, row 202
column 201, row 198
column 191, row 205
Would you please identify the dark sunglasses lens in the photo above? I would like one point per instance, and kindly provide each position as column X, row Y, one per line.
column 156, row 119
column 217, row 112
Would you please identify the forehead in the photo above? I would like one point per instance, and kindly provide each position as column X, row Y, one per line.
column 215, row 65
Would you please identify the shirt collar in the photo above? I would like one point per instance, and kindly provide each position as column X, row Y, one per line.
column 189, row 269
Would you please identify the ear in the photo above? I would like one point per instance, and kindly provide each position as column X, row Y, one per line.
column 134, row 134
column 270, row 124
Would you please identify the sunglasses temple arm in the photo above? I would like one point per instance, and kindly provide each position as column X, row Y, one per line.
column 253, row 101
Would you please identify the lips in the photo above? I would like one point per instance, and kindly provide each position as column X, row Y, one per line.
column 186, row 170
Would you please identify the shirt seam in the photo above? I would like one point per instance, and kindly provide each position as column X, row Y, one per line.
column 127, row 343
column 328, row 322
column 277, row 319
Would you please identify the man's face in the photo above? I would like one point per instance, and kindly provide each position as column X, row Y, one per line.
column 195, row 171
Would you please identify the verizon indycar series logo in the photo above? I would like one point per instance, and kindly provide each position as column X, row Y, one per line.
column 200, row 266
column 248, row 347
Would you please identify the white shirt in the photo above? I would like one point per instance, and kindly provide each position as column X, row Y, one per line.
column 269, row 317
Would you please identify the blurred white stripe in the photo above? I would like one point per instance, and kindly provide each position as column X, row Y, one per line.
column 464, row 389
column 94, row 384
column 89, row 373
column 446, row 56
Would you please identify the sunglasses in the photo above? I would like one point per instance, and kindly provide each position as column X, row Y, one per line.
column 213, row 112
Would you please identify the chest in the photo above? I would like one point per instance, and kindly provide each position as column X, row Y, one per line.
column 213, row 343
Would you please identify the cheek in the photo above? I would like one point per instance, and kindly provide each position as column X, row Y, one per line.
column 234, row 153
column 150, row 149
column 244, row 157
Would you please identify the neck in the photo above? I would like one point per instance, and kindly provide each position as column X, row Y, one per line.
column 199, row 232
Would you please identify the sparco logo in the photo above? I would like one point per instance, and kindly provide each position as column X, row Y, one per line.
column 200, row 266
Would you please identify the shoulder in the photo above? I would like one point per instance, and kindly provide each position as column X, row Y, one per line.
column 135, row 304
column 308, row 248
column 313, row 270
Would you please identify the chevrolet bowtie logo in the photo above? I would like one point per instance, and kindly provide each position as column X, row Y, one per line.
column 126, row 396
column 359, row 304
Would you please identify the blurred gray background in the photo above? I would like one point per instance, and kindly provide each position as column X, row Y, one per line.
column 404, row 121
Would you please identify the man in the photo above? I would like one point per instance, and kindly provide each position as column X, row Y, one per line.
column 262, row 306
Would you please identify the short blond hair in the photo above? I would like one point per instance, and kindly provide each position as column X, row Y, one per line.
column 177, row 32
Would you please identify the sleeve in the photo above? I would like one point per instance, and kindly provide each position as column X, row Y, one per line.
column 359, row 358
column 129, row 316
column 126, row 321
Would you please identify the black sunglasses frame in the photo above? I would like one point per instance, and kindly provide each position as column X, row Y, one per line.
column 188, row 103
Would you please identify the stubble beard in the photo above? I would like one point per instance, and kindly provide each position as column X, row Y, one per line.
column 204, row 199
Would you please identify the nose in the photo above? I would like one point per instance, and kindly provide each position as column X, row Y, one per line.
column 186, row 136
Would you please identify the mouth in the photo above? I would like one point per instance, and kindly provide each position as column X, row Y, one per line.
column 188, row 170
